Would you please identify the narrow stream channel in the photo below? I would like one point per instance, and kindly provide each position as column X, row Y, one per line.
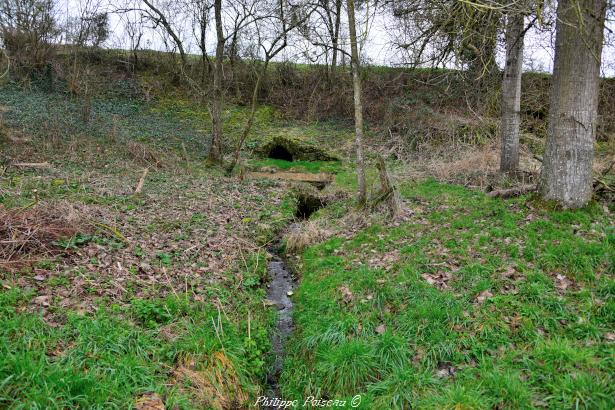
column 279, row 292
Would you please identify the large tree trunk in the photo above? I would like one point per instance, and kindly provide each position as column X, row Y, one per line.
column 215, row 152
column 358, row 107
column 511, row 94
column 569, row 153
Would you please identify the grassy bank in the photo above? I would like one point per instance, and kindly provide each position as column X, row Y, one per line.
column 470, row 302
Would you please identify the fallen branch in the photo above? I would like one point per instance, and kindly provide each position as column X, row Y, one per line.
column 605, row 186
column 139, row 187
column 32, row 164
column 512, row 192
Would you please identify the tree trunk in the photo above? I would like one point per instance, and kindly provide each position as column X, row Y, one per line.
column 567, row 164
column 215, row 152
column 358, row 108
column 511, row 94
column 205, row 63
column 250, row 122
column 336, row 34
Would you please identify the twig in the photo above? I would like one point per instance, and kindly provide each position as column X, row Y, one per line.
column 608, row 169
column 185, row 152
column 217, row 334
column 164, row 270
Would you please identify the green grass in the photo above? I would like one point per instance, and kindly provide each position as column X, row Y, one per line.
column 108, row 359
column 401, row 342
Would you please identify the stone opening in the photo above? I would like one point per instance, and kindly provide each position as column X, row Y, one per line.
column 307, row 205
column 279, row 152
column 293, row 149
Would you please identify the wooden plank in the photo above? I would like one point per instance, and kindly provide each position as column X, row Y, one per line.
column 293, row 176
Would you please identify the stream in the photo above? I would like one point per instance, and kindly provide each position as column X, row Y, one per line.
column 279, row 292
column 280, row 288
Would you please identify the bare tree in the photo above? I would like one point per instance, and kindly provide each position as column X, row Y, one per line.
column 27, row 29
column 271, row 31
column 243, row 14
column 133, row 28
column 159, row 18
column 358, row 106
column 240, row 13
column 90, row 26
column 330, row 15
column 567, row 165
column 449, row 31
column 201, row 12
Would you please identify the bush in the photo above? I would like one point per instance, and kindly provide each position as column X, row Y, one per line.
column 27, row 30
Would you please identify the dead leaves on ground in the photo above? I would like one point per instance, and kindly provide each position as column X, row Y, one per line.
column 32, row 232
column 439, row 279
column 562, row 283
column 196, row 226
column 483, row 296
column 347, row 295
column 149, row 401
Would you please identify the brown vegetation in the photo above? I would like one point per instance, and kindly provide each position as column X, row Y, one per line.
column 32, row 232
column 214, row 381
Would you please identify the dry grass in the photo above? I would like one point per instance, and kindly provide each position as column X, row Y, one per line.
column 214, row 382
column 470, row 165
column 483, row 159
column 306, row 234
column 32, row 232
column 144, row 155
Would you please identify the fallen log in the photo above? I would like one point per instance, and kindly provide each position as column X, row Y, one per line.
column 512, row 192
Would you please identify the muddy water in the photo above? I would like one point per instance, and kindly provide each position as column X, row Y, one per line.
column 280, row 288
